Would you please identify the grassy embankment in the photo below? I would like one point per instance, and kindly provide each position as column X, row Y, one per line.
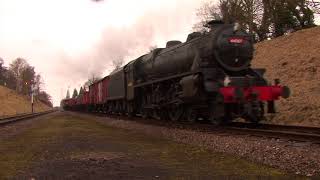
column 295, row 60
column 12, row 103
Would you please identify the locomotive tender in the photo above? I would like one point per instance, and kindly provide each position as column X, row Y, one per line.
column 207, row 77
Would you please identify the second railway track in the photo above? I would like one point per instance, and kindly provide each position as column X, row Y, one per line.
column 14, row 119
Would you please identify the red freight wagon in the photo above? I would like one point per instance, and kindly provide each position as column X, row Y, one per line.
column 99, row 91
column 68, row 103
column 93, row 91
column 85, row 98
column 72, row 102
column 104, row 91
column 79, row 100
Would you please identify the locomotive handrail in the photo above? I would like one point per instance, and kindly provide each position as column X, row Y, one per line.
column 166, row 78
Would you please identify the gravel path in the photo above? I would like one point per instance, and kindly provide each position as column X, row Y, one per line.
column 293, row 157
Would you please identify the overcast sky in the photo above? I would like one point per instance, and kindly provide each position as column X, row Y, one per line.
column 69, row 40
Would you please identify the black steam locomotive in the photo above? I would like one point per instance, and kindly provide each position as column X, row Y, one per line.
column 208, row 77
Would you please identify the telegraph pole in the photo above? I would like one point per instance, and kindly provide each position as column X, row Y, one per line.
column 32, row 100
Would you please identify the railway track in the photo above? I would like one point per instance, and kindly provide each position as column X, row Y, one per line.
column 294, row 133
column 14, row 119
column 285, row 132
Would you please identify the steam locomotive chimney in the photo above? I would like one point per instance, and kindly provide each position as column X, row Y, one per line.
column 214, row 23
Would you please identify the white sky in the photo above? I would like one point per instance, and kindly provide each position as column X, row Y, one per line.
column 55, row 35
column 68, row 40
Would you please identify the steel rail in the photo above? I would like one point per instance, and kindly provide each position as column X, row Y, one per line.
column 295, row 133
column 13, row 119
column 278, row 127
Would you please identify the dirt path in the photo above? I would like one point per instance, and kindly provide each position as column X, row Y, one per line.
column 75, row 147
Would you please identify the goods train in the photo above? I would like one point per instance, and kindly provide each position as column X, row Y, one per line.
column 208, row 77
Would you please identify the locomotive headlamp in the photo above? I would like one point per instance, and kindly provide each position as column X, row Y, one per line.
column 236, row 27
column 226, row 81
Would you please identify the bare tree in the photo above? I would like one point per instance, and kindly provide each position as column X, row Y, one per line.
column 2, row 72
column 314, row 6
column 28, row 77
column 249, row 13
column 232, row 11
column 208, row 11
column 303, row 11
column 117, row 63
column 263, row 18
column 1, row 62
column 94, row 78
column 38, row 83
column 10, row 79
column 17, row 67
column 45, row 98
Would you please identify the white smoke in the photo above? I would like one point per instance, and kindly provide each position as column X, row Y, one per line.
column 154, row 28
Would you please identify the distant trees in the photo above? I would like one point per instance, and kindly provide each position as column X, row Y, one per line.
column 10, row 80
column 81, row 92
column 45, row 98
column 314, row 5
column 17, row 67
column 75, row 93
column 2, row 72
column 68, row 94
column 208, row 11
column 24, row 75
column 263, row 18
column 21, row 77
column 37, row 83
column 28, row 77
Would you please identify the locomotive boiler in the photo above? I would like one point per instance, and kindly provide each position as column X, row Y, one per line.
column 225, row 46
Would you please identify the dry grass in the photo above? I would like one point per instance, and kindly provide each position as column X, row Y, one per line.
column 57, row 142
column 12, row 103
column 295, row 59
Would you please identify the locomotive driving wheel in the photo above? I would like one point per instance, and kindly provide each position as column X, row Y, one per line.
column 217, row 110
column 256, row 112
column 191, row 115
column 175, row 112
column 146, row 113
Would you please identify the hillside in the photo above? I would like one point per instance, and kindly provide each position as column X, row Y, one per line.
column 295, row 59
column 12, row 103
